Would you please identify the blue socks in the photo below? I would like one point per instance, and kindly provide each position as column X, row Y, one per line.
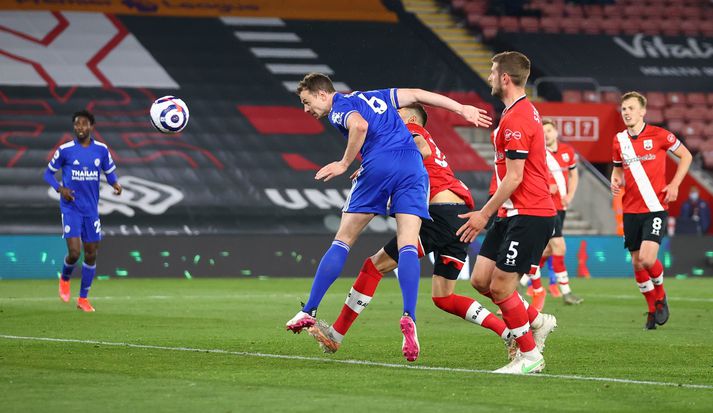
column 409, row 274
column 329, row 269
column 67, row 270
column 87, row 278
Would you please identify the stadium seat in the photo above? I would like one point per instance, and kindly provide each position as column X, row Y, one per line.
column 650, row 27
column 694, row 143
column 696, row 128
column 478, row 7
column 655, row 116
column 673, row 11
column 612, row 25
column 675, row 125
column 611, row 97
column 612, row 11
column 709, row 98
column 656, row 100
column 591, row 96
column 696, row 98
column 571, row 25
column 675, row 98
column 573, row 10
column 509, row 24
column 687, row 29
column 530, row 24
column 675, row 112
column 550, row 24
column 592, row 25
column 667, row 29
column 691, row 12
column 572, row 96
column 593, row 10
column 700, row 113
column 708, row 160
column 631, row 26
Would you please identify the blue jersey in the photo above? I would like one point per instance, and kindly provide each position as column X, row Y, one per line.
column 80, row 172
column 386, row 131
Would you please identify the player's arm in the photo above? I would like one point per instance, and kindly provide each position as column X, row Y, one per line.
column 357, row 127
column 617, row 179
column 685, row 157
column 52, row 168
column 422, row 145
column 108, row 166
column 572, row 185
column 478, row 117
column 478, row 219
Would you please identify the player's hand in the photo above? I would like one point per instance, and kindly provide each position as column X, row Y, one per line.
column 66, row 193
column 330, row 171
column 553, row 188
column 476, row 116
column 117, row 188
column 476, row 222
column 615, row 186
column 671, row 192
column 566, row 201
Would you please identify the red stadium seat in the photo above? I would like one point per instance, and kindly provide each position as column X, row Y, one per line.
column 674, row 98
column 593, row 10
column 591, row 96
column 550, row 24
column 571, row 25
column 530, row 24
column 699, row 113
column 687, row 28
column 611, row 97
column 694, row 143
column 612, row 10
column 655, row 100
column 709, row 98
column 655, row 116
column 696, row 98
column 653, row 11
column 673, row 11
column 631, row 26
column 632, row 11
column 479, row 7
column 650, row 27
column 572, row 96
column 458, row 4
column 675, row 125
column 708, row 160
column 509, row 24
column 694, row 128
column 611, row 26
column 592, row 25
column 675, row 112
column 573, row 10
column 667, row 28
column 691, row 12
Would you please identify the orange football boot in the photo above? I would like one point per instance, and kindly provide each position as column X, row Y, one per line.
column 83, row 304
column 64, row 292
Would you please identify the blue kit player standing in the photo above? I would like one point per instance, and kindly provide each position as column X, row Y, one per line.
column 391, row 172
column 81, row 161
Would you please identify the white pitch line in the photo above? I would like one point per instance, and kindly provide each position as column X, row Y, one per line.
column 356, row 362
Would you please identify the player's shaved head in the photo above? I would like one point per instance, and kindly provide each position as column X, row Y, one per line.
column 515, row 64
column 419, row 112
column 315, row 82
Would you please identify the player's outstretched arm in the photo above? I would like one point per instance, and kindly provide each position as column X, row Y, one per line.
column 357, row 127
column 686, row 158
column 476, row 116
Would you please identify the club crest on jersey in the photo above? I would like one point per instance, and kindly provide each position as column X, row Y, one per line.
column 565, row 157
column 670, row 138
column 337, row 117
column 96, row 162
column 648, row 144
column 509, row 135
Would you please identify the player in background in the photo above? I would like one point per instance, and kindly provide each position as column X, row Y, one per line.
column 562, row 163
column 449, row 197
column 525, row 211
column 81, row 162
column 392, row 169
column 639, row 157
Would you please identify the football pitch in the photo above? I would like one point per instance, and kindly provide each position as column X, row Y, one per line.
column 220, row 345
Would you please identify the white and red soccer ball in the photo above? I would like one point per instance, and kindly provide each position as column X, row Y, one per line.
column 169, row 114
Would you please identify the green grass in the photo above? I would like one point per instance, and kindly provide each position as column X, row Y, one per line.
column 601, row 338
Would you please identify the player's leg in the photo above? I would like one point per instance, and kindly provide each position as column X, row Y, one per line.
column 71, row 232
column 633, row 232
column 559, row 248
column 538, row 292
column 330, row 267
column 648, row 254
column 407, row 229
column 359, row 297
column 70, row 262
column 91, row 235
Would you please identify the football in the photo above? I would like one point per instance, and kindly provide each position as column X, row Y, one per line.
column 169, row 114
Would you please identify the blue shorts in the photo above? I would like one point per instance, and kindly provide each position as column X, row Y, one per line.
column 75, row 225
column 397, row 178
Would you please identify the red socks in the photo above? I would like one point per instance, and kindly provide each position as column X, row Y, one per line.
column 656, row 274
column 534, row 275
column 359, row 297
column 470, row 310
column 646, row 287
column 516, row 319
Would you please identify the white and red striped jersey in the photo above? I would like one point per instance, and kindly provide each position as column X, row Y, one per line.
column 643, row 158
column 440, row 174
column 520, row 136
column 560, row 163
